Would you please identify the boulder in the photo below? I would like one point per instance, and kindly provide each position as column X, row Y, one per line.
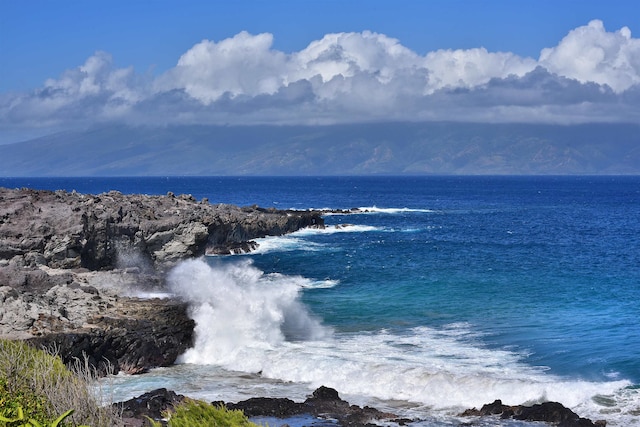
column 152, row 404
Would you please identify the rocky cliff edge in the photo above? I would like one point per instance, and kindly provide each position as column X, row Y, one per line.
column 72, row 268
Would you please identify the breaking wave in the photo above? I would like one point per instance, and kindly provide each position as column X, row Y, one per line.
column 252, row 322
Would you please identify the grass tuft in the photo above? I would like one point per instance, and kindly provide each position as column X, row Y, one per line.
column 36, row 385
column 195, row 413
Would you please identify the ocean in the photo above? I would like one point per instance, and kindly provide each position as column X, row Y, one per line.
column 439, row 294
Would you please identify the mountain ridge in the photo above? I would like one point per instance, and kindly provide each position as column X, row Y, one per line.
column 353, row 149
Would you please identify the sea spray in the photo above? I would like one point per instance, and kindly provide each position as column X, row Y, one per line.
column 249, row 321
column 240, row 312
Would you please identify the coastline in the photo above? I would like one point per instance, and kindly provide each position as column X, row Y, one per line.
column 70, row 261
column 72, row 266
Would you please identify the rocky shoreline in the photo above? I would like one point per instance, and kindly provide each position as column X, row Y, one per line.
column 326, row 404
column 73, row 268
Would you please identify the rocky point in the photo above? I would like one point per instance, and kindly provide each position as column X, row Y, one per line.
column 72, row 268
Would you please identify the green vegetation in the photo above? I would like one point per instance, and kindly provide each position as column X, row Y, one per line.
column 19, row 421
column 38, row 390
column 194, row 413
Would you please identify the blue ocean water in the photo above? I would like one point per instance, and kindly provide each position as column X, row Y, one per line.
column 441, row 293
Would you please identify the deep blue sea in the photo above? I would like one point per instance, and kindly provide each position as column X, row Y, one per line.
column 443, row 293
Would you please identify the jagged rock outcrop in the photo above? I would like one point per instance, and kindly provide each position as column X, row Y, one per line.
column 324, row 403
column 71, row 230
column 550, row 412
column 69, row 264
column 89, row 315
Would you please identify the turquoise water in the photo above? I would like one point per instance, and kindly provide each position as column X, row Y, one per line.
column 447, row 293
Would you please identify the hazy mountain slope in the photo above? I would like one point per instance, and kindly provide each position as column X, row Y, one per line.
column 381, row 148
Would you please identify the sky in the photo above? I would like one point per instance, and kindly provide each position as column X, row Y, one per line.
column 72, row 64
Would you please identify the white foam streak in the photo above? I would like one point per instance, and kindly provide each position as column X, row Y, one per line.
column 153, row 295
column 391, row 211
column 338, row 228
column 284, row 244
column 295, row 241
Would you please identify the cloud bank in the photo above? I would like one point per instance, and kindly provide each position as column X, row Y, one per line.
column 591, row 75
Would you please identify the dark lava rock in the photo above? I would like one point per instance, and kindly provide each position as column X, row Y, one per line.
column 268, row 407
column 324, row 403
column 550, row 412
column 136, row 336
column 151, row 404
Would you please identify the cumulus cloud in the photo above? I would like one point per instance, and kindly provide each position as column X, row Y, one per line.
column 592, row 74
column 591, row 54
column 241, row 65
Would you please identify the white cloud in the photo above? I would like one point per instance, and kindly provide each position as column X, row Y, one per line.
column 348, row 54
column 95, row 77
column 591, row 54
column 473, row 67
column 241, row 65
column 590, row 75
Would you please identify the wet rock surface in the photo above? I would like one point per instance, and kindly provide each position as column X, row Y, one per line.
column 325, row 403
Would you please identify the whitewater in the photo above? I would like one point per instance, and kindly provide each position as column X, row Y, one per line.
column 253, row 328
column 255, row 325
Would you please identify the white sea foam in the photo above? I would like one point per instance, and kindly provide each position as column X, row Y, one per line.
column 153, row 294
column 391, row 211
column 285, row 243
column 240, row 312
column 338, row 228
column 296, row 240
column 372, row 210
column 248, row 321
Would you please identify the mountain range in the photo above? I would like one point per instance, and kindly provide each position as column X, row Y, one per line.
column 352, row 149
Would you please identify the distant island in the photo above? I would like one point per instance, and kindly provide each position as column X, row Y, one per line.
column 352, row 149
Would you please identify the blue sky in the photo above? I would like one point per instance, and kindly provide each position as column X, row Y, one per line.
column 71, row 63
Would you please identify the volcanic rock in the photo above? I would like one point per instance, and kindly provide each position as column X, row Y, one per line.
column 550, row 412
column 71, row 230
column 324, row 403
column 151, row 404
column 71, row 265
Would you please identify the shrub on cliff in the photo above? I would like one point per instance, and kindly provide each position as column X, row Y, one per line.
column 192, row 413
column 42, row 387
